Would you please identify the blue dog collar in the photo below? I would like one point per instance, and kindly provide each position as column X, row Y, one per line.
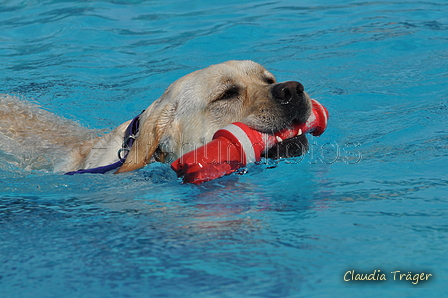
column 128, row 141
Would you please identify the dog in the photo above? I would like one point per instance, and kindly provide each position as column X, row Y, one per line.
column 185, row 117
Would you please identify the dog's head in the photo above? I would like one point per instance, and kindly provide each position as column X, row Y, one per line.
column 194, row 107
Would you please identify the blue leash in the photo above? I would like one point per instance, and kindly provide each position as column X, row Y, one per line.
column 129, row 137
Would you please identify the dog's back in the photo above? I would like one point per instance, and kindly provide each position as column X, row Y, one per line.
column 33, row 138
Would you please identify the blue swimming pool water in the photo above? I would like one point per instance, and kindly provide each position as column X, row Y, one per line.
column 371, row 195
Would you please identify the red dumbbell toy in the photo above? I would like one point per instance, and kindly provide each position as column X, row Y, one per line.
column 236, row 145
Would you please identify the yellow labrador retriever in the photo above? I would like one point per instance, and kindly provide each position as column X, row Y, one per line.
column 185, row 117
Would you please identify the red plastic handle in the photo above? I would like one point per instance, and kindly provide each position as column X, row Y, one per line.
column 236, row 145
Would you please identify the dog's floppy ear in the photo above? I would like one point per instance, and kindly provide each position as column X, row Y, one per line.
column 153, row 124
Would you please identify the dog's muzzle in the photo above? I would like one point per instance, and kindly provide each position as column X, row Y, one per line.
column 292, row 102
column 288, row 92
column 296, row 106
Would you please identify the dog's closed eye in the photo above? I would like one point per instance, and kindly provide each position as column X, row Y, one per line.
column 230, row 93
column 269, row 81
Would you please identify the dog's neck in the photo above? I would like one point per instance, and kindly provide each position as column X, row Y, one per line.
column 128, row 140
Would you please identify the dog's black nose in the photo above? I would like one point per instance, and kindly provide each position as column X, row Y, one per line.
column 286, row 92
